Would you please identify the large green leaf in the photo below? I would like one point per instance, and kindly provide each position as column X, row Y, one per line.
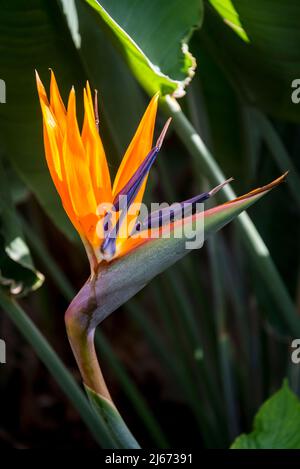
column 17, row 273
column 264, row 67
column 33, row 34
column 152, row 36
column 276, row 425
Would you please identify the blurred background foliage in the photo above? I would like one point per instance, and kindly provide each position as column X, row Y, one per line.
column 191, row 358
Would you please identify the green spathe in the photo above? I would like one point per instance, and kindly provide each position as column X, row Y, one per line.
column 116, row 282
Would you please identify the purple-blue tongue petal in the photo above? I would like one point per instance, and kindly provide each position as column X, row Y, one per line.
column 176, row 211
column 132, row 187
column 134, row 184
column 128, row 193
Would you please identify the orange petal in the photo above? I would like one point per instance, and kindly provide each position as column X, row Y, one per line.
column 41, row 90
column 78, row 176
column 95, row 153
column 139, row 147
column 52, row 134
column 56, row 103
column 53, row 152
column 90, row 99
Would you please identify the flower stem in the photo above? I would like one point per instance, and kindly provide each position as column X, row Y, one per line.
column 82, row 344
column 224, row 343
column 81, row 332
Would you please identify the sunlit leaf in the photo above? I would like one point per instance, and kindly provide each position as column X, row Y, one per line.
column 276, row 425
column 152, row 36
column 228, row 11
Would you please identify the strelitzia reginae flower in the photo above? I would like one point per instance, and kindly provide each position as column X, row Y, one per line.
column 121, row 265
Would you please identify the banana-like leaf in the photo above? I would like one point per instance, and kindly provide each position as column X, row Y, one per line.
column 116, row 282
column 152, row 37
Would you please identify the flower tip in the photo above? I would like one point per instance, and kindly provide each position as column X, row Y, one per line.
column 72, row 96
column 284, row 176
column 220, row 186
column 52, row 75
column 279, row 180
column 37, row 77
column 40, row 88
column 163, row 134
column 263, row 189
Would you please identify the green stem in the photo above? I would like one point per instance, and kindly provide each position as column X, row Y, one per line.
column 233, row 280
column 82, row 344
column 224, row 344
column 133, row 394
column 57, row 369
column 256, row 247
column 81, row 332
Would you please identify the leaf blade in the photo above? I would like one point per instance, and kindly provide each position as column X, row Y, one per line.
column 114, row 422
column 276, row 425
column 139, row 37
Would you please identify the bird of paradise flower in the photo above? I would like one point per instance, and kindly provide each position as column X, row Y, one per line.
column 120, row 266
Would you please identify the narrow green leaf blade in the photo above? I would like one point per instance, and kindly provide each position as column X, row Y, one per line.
column 231, row 17
column 115, row 423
